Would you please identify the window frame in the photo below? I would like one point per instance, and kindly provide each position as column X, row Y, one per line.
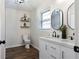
column 45, row 20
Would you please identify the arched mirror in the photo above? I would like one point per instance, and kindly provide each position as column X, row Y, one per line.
column 71, row 16
column 56, row 19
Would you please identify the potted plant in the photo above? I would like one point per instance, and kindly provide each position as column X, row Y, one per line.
column 63, row 29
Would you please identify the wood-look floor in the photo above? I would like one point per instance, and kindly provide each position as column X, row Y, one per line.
column 22, row 53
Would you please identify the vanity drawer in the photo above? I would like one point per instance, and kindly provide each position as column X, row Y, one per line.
column 53, row 49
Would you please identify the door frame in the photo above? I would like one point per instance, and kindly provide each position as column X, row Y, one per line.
column 2, row 28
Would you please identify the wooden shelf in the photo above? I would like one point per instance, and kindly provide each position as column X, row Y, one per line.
column 24, row 20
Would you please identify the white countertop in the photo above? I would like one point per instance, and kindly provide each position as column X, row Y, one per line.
column 58, row 41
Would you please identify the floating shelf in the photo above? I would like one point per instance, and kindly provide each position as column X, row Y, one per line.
column 24, row 20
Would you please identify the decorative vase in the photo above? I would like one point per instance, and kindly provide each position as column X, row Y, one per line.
column 64, row 35
column 64, row 31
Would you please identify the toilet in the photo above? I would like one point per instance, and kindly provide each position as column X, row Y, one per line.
column 27, row 41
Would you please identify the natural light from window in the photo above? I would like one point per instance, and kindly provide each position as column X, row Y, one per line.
column 46, row 20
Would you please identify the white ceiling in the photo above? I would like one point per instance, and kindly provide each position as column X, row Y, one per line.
column 27, row 5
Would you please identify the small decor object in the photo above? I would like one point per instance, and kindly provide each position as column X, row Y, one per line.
column 24, row 24
column 25, row 18
column 63, row 29
column 25, row 21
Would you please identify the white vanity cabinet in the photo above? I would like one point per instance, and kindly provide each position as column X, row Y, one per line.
column 67, row 53
column 43, row 50
column 53, row 51
column 50, row 50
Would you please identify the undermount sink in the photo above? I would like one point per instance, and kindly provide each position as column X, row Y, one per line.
column 64, row 42
column 59, row 39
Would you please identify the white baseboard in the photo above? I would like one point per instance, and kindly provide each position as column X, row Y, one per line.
column 35, row 46
column 14, row 45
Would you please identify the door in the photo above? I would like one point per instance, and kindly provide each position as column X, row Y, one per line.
column 2, row 29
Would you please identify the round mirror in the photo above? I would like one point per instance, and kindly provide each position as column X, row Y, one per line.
column 56, row 19
column 71, row 16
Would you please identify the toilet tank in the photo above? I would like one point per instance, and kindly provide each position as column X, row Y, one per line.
column 25, row 37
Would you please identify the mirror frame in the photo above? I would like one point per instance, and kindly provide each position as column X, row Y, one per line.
column 60, row 16
column 68, row 16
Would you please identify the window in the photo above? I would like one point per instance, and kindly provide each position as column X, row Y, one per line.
column 46, row 20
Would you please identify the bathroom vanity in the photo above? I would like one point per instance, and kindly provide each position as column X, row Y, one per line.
column 55, row 48
column 60, row 48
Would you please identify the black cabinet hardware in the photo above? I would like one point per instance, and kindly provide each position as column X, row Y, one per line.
column 76, row 49
column 2, row 42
